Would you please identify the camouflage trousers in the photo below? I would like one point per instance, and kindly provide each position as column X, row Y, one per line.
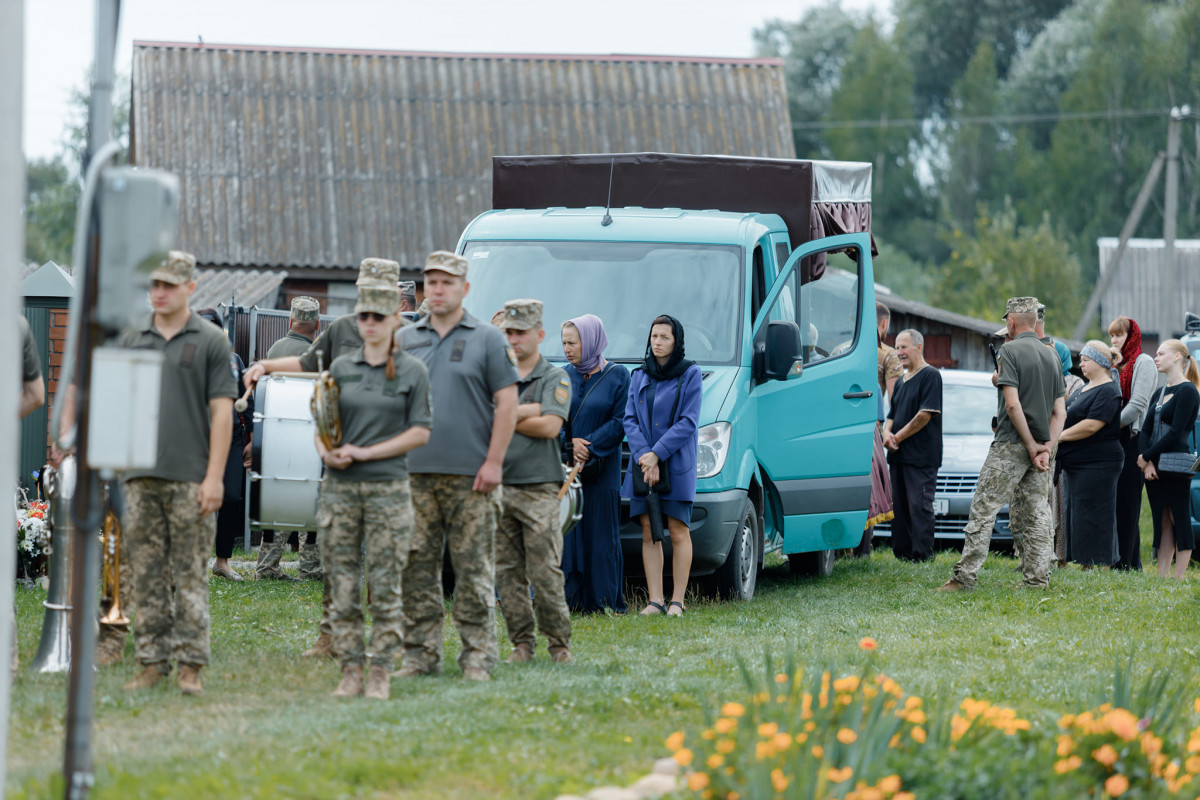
column 168, row 542
column 376, row 516
column 270, row 555
column 529, row 546
column 1008, row 476
column 450, row 512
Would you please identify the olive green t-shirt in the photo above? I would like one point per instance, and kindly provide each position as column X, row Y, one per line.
column 196, row 368
column 339, row 339
column 530, row 460
column 291, row 345
column 374, row 409
column 1036, row 372
column 31, row 366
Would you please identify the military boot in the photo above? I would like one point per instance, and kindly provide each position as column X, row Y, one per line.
column 110, row 645
column 149, row 677
column 189, row 679
column 522, row 653
column 379, row 683
column 352, row 681
column 561, row 655
column 322, row 648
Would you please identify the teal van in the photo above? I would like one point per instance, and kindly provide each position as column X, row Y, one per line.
column 780, row 321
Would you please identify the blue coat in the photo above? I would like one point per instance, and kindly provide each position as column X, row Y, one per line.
column 675, row 443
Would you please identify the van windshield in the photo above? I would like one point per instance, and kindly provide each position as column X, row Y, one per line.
column 625, row 284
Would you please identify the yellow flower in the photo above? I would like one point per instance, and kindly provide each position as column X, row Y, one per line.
column 715, row 760
column 725, row 725
column 894, row 742
column 733, row 796
column 847, row 736
column 867, row 643
column 781, row 678
column 675, row 741
column 1065, row 745
column 890, row 784
column 782, row 741
column 1066, row 721
column 768, row 729
column 847, row 684
column 1065, row 765
column 912, row 702
column 1123, row 723
column 778, row 780
column 1196, row 705
column 818, row 751
column 958, row 727
column 725, row 746
column 918, row 734
column 697, row 781
column 733, row 710
column 1105, row 755
column 839, row 775
column 916, row 717
column 1192, row 764
column 708, row 735
column 1116, row 785
column 809, row 727
column 764, row 751
column 904, row 796
column 682, row 756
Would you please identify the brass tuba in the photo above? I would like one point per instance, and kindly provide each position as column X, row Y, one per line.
column 324, row 407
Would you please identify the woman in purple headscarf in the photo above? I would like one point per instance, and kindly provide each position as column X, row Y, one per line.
column 592, row 561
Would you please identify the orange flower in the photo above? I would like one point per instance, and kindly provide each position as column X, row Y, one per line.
column 1065, row 745
column 725, row 725
column 733, row 710
column 1105, row 755
column 697, row 781
column 847, row 736
column 890, row 784
column 1067, row 764
column 1116, row 785
column 778, row 780
column 781, row 678
column 782, row 741
column 839, row 775
column 918, row 734
column 867, row 643
column 682, row 756
column 818, row 751
column 674, row 741
column 725, row 746
column 1122, row 722
column 847, row 684
column 715, row 760
column 768, row 729
column 904, row 796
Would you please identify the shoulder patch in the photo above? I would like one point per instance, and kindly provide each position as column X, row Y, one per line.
column 561, row 394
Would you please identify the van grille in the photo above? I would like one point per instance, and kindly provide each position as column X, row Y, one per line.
column 956, row 484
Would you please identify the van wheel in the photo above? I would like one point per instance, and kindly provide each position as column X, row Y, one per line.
column 736, row 578
column 819, row 563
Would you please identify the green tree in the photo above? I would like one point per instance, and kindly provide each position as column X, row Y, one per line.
column 973, row 171
column 1006, row 259
column 51, row 194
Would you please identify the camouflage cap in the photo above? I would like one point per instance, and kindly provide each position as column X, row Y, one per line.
column 498, row 319
column 522, row 315
column 177, row 268
column 423, row 309
column 407, row 288
column 377, row 299
column 378, row 272
column 305, row 309
column 446, row 262
column 1021, row 305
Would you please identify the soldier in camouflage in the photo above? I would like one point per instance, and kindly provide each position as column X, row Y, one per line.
column 456, row 477
column 1019, row 461
column 529, row 540
column 303, row 321
column 365, row 502
column 170, row 510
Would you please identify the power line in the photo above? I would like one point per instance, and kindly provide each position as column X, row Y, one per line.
column 1010, row 119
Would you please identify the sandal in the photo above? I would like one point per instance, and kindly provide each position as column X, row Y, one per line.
column 659, row 608
column 671, row 605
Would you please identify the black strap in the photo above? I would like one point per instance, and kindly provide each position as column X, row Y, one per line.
column 607, row 369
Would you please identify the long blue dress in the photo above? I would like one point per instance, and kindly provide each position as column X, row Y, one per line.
column 592, row 563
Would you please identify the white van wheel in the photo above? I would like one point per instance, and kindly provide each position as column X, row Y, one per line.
column 736, row 578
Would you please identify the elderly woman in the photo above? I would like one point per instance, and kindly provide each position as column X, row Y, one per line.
column 661, row 420
column 1091, row 456
column 593, row 566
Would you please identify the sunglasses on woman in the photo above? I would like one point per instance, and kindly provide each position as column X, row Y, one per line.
column 363, row 316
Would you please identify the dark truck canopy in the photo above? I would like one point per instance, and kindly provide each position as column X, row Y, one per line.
column 814, row 198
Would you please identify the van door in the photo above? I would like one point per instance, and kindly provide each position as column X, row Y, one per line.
column 816, row 428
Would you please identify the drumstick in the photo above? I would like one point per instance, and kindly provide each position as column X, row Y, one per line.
column 242, row 403
column 567, row 483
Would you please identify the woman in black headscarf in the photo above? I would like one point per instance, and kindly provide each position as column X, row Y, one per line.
column 661, row 419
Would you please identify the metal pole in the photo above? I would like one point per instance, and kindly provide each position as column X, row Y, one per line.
column 12, row 247
column 77, row 756
column 1131, row 223
column 1173, row 298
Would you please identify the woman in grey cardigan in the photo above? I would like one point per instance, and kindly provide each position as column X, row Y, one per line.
column 1138, row 379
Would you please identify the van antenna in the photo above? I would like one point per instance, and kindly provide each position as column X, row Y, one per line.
column 607, row 219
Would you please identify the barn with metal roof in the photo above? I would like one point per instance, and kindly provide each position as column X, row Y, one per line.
column 310, row 159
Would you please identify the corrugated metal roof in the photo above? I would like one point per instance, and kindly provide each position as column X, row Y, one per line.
column 318, row 158
column 895, row 302
column 1143, row 288
column 242, row 287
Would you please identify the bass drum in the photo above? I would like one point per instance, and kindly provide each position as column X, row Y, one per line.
column 285, row 470
column 570, row 507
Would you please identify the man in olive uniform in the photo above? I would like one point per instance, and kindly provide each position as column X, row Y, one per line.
column 1019, row 461
column 171, row 509
column 529, row 539
column 408, row 295
column 455, row 476
column 340, row 338
column 303, row 321
column 33, row 397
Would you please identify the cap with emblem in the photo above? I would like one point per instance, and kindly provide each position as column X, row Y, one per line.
column 407, row 288
column 446, row 262
column 305, row 309
column 1021, row 305
column 177, row 268
column 522, row 315
column 378, row 272
column 377, row 299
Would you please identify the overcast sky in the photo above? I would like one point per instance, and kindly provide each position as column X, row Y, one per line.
column 59, row 35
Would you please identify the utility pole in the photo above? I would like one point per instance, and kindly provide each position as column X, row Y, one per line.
column 1173, row 299
column 12, row 247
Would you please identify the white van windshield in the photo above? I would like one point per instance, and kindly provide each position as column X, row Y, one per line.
column 625, row 284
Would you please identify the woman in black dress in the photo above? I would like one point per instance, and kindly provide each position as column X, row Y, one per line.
column 1169, row 428
column 1090, row 455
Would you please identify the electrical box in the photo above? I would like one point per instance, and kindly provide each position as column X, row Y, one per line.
column 139, row 222
column 123, row 412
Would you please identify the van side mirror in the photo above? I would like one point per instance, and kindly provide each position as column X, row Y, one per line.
column 782, row 350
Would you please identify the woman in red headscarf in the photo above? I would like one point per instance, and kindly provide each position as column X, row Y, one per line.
column 1138, row 379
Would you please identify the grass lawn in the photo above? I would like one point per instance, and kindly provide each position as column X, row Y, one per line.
column 266, row 726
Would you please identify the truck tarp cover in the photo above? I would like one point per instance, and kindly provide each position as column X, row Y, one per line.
column 814, row 198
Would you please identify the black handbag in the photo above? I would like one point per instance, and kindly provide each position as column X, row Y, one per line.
column 593, row 468
column 640, row 487
column 1182, row 463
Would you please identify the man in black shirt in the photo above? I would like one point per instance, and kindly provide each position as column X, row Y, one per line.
column 913, row 437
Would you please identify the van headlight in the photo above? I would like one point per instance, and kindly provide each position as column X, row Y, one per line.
column 714, row 447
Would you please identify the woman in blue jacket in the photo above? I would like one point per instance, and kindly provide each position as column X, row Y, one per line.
column 661, row 419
